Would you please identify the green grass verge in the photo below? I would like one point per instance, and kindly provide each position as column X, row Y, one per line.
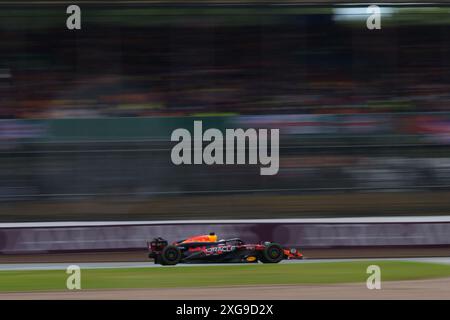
column 202, row 276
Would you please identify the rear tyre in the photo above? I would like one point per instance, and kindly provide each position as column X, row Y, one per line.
column 272, row 253
column 170, row 256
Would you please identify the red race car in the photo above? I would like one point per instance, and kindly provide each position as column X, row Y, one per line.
column 208, row 249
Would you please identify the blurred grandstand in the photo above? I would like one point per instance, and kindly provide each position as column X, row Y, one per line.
column 86, row 115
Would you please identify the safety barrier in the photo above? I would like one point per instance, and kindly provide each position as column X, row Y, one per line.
column 305, row 233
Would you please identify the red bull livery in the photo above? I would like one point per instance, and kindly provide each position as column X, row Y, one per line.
column 207, row 248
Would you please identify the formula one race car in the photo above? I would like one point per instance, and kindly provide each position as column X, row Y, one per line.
column 206, row 248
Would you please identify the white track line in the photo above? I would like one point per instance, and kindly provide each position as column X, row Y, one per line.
column 408, row 219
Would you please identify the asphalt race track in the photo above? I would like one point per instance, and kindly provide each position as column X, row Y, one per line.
column 116, row 265
column 412, row 289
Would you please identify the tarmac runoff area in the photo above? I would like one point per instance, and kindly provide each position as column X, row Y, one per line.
column 435, row 289
column 118, row 265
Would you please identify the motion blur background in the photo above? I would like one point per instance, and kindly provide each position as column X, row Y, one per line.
column 86, row 115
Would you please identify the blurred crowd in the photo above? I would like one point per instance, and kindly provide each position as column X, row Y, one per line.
column 359, row 110
column 303, row 66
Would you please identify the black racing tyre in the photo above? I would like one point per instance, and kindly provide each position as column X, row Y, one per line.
column 272, row 253
column 170, row 256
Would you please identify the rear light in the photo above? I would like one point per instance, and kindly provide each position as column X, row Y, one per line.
column 157, row 244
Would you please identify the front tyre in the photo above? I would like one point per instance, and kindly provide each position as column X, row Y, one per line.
column 170, row 256
column 272, row 253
